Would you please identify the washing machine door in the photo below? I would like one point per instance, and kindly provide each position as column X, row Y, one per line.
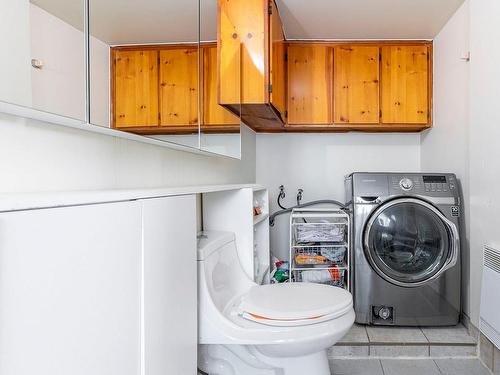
column 409, row 242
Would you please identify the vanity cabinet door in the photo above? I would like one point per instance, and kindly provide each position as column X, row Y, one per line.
column 70, row 290
column 356, row 84
column 135, row 88
column 405, row 85
column 179, row 87
column 170, row 285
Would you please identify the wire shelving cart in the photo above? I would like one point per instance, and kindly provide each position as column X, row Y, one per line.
column 320, row 246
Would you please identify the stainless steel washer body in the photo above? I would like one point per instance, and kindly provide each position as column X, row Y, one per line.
column 406, row 248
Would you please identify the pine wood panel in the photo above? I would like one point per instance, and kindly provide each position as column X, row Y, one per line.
column 179, row 86
column 277, row 68
column 404, row 84
column 242, row 31
column 135, row 88
column 309, row 84
column 356, row 84
column 212, row 112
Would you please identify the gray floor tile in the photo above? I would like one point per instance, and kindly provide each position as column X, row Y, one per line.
column 395, row 335
column 452, row 351
column 409, row 367
column 461, row 366
column 356, row 367
column 349, row 351
column 394, row 351
column 450, row 335
column 357, row 334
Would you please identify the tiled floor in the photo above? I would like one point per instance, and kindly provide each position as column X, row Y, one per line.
column 448, row 366
column 390, row 342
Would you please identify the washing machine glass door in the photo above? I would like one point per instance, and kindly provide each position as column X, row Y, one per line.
column 410, row 242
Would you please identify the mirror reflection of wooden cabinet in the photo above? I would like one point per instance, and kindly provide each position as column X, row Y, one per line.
column 179, row 86
column 356, row 84
column 135, row 88
column 214, row 116
column 155, row 90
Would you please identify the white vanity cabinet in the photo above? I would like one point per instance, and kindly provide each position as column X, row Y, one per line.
column 170, row 285
column 101, row 289
column 70, row 290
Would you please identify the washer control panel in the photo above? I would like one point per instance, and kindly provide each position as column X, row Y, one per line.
column 421, row 183
column 406, row 184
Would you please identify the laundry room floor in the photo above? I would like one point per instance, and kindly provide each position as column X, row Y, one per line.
column 369, row 350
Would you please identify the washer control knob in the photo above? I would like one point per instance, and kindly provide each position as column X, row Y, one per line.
column 406, row 184
column 384, row 313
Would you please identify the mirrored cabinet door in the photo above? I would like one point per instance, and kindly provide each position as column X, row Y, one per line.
column 219, row 126
column 42, row 63
column 144, row 68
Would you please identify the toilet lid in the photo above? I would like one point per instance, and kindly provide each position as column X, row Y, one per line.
column 297, row 303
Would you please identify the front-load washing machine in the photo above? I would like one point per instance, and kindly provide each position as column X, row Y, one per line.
column 406, row 248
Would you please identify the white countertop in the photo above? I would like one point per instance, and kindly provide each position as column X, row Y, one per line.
column 29, row 201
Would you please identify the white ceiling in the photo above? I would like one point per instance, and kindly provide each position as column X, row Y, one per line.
column 365, row 19
column 167, row 21
column 139, row 21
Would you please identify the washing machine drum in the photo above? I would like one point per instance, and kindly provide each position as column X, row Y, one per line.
column 410, row 242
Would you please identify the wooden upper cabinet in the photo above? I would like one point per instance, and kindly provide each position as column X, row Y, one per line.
column 251, row 62
column 179, row 87
column 135, row 89
column 242, row 50
column 213, row 113
column 277, row 69
column 405, row 84
column 356, row 84
column 309, row 84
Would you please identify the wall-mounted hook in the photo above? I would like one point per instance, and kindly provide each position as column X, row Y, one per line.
column 299, row 195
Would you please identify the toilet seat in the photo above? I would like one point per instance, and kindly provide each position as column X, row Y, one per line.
column 294, row 304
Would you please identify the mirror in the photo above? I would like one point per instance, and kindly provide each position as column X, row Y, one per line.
column 42, row 64
column 144, row 68
column 219, row 127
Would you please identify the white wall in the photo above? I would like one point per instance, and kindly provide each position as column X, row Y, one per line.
column 36, row 156
column 445, row 148
column 318, row 163
column 484, row 137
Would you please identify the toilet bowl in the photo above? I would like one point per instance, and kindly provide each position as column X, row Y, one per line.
column 250, row 329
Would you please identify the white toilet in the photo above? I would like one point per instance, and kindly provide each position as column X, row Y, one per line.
column 249, row 329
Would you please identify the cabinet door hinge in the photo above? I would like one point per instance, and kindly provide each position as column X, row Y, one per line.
column 286, row 56
column 285, row 114
column 380, row 113
column 270, row 88
column 270, row 7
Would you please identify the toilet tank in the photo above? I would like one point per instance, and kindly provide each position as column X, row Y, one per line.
column 220, row 275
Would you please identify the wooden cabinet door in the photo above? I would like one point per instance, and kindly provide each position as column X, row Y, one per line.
column 309, row 84
column 170, row 285
column 135, row 88
column 212, row 112
column 405, row 84
column 242, row 50
column 179, row 87
column 277, row 66
column 356, row 84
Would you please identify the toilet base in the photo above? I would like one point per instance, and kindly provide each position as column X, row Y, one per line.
column 248, row 360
